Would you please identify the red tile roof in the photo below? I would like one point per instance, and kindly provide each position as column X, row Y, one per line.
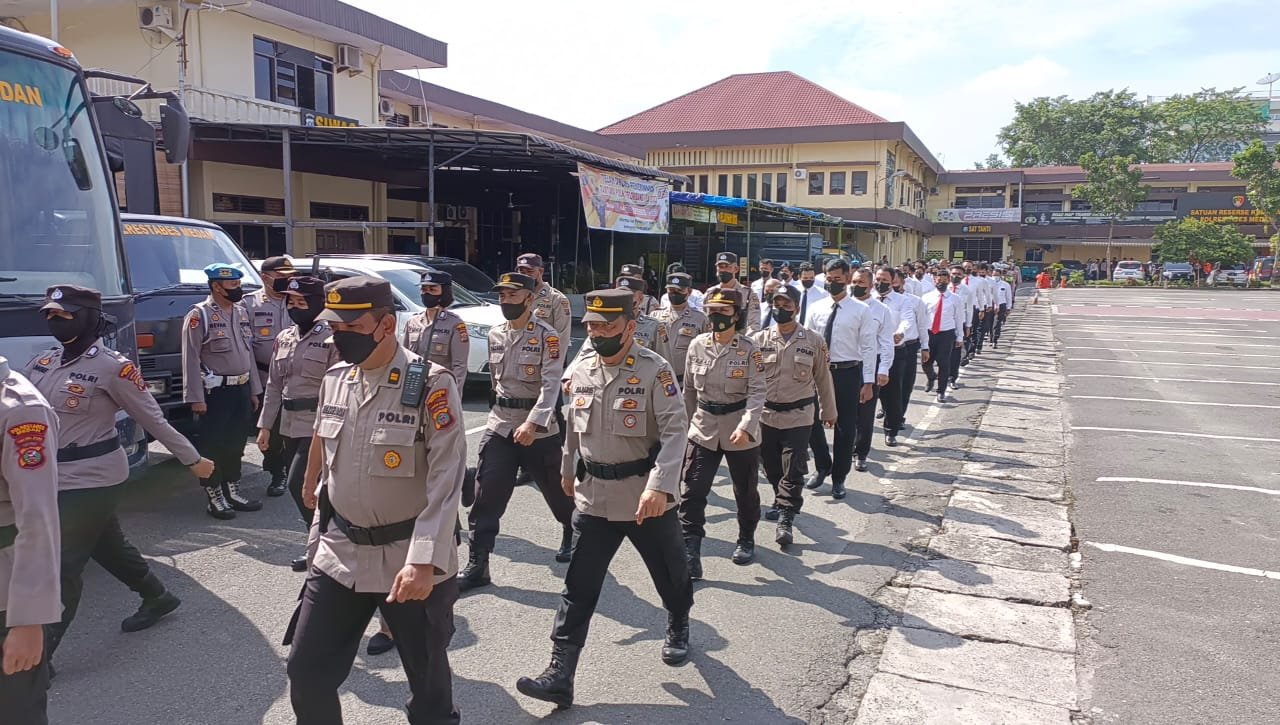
column 778, row 99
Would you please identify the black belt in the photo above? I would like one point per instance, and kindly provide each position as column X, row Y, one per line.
column 846, row 365
column 264, row 368
column 722, row 408
column 93, row 450
column 793, row 405
column 618, row 471
column 517, row 403
column 913, row 343
column 8, row 535
column 301, row 404
column 374, row 535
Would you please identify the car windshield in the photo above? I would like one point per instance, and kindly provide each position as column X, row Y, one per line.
column 1177, row 267
column 465, row 275
column 409, row 283
column 58, row 223
column 163, row 254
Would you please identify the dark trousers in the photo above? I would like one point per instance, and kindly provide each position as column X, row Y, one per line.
column 866, row 421
column 91, row 530
column 784, row 453
column 998, row 326
column 274, row 459
column 955, row 357
column 847, row 383
column 296, row 451
column 595, row 541
column 331, row 620
column 911, row 351
column 971, row 339
column 700, row 467
column 24, row 695
column 222, row 432
column 891, row 394
column 985, row 327
column 500, row 456
column 943, row 351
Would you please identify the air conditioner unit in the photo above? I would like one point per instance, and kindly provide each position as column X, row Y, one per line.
column 799, row 174
column 933, row 191
column 451, row 212
column 418, row 115
column 465, row 212
column 386, row 109
column 155, row 17
column 350, row 59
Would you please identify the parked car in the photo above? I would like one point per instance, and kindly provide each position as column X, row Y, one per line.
column 1069, row 266
column 1178, row 272
column 1261, row 270
column 464, row 274
column 1128, row 270
column 1236, row 275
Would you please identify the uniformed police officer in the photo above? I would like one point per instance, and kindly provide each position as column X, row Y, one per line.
column 220, row 380
column 87, row 384
column 29, row 543
column 270, row 316
column 727, row 271
column 549, row 304
column 650, row 333
column 303, row 353
column 389, row 446
column 526, row 358
column 683, row 322
column 626, row 423
column 799, row 381
column 437, row 333
column 724, row 395
column 645, row 304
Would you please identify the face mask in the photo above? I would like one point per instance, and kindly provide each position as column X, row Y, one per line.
column 512, row 310
column 835, row 288
column 786, row 278
column 806, row 283
column 354, row 347
column 677, row 298
column 767, row 275
column 304, row 318
column 429, row 301
column 958, row 278
column 919, row 275
column 607, row 346
column 65, row 330
column 724, row 276
column 280, row 284
column 720, row 322
column 883, row 287
column 235, row 295
column 782, row 316
column 942, row 286
column 859, row 291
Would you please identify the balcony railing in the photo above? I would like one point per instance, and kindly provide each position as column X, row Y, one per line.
column 207, row 105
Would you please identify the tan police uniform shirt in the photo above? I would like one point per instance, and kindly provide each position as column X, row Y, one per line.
column 30, row 592
column 651, row 334
column 796, row 369
column 750, row 305
column 297, row 367
column 385, row 462
column 616, row 414
column 552, row 307
column 444, row 342
column 648, row 305
column 682, row 327
column 526, row 362
column 86, row 393
column 220, row 341
column 269, row 318
column 724, row 374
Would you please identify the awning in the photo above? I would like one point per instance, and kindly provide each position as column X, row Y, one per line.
column 761, row 209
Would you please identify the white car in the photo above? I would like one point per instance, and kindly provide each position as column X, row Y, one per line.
column 1128, row 270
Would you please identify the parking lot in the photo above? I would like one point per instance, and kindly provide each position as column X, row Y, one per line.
column 1171, row 399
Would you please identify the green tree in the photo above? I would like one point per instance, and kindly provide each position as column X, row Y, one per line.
column 1058, row 131
column 1256, row 167
column 1113, row 187
column 1197, row 241
column 993, row 161
column 1209, row 125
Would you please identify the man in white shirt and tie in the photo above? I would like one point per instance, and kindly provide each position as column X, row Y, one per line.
column 988, row 304
column 945, row 313
column 810, row 291
column 887, row 324
column 1004, row 302
column 969, row 309
column 766, row 274
column 850, row 331
column 908, row 336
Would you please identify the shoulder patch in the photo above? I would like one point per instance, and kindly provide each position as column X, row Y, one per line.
column 29, row 440
column 194, row 322
column 130, row 372
column 461, row 327
column 668, row 382
column 553, row 347
column 438, row 410
column 758, row 359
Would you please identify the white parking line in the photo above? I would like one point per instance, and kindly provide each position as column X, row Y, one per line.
column 1173, row 402
column 1168, row 380
column 1174, row 558
column 1167, row 482
column 1192, row 365
column 1145, row 331
column 1213, row 344
column 1180, row 434
column 1166, row 352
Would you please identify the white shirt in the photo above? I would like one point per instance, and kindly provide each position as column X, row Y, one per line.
column 910, row 315
column 1004, row 293
column 954, row 314
column 978, row 291
column 967, row 293
column 808, row 297
column 911, row 286
column 695, row 299
column 853, row 334
column 886, row 323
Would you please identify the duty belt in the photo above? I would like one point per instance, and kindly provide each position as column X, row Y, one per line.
column 517, row 403
column 93, row 450
column 618, row 471
column 8, row 534
column 722, row 408
column 233, row 380
column 374, row 535
column 794, row 405
column 297, row 404
column 845, row 365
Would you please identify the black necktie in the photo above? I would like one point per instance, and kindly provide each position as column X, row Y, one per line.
column 804, row 305
column 831, row 322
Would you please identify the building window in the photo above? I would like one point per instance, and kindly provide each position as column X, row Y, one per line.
column 751, row 186
column 292, row 76
column 737, row 186
column 766, row 191
column 339, row 212
column 859, row 183
column 257, row 241
column 1157, row 205
column 817, row 180
column 703, row 183
column 979, row 202
column 1042, row 206
column 782, row 188
column 339, row 240
column 722, row 185
column 1081, row 205
column 837, row 182
column 240, row 204
column 890, row 166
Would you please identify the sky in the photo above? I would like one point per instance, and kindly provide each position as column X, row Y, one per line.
column 951, row 70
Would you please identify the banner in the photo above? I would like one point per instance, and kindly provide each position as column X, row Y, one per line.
column 991, row 216
column 622, row 203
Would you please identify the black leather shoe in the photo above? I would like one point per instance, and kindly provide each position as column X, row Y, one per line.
column 879, row 415
column 891, row 440
column 771, row 513
column 150, row 612
column 555, row 684
column 942, row 397
column 837, row 490
column 231, row 490
column 860, row 465
column 675, row 648
column 928, row 388
column 299, row 565
column 693, row 555
column 476, row 572
column 277, row 487
column 816, row 480
column 379, row 644
column 744, row 552
column 783, row 536
column 565, row 552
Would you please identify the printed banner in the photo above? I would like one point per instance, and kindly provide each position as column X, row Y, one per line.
column 624, row 203
column 993, row 216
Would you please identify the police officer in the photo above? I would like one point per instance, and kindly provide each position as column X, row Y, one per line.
column 727, row 270
column 29, row 597
column 303, row 353
column 526, row 357
column 645, row 304
column 724, row 395
column 549, row 304
column 220, row 380
column 683, row 323
column 650, row 333
column 626, row 423
column 437, row 333
column 87, row 384
column 269, row 316
column 798, row 382
column 388, row 454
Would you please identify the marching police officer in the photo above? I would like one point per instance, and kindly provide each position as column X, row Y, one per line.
column 798, row 381
column 650, row 332
column 682, row 321
column 389, row 446
column 526, row 356
column 220, row 380
column 29, row 597
column 304, row 352
column 269, row 316
column 724, row 394
column 437, row 333
column 87, row 384
column 727, row 270
column 549, row 304
column 645, row 304
column 626, row 423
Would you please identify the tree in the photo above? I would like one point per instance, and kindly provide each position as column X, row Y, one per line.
column 1113, row 187
column 993, row 162
column 1058, row 131
column 1198, row 241
column 1256, row 166
column 1209, row 125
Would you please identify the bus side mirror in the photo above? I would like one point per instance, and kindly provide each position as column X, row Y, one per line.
column 175, row 129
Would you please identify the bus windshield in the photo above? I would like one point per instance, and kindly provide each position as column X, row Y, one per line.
column 164, row 255
column 58, row 221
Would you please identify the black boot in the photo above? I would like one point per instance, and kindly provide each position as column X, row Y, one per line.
column 693, row 554
column 218, row 506
column 277, row 486
column 476, row 572
column 771, row 513
column 675, row 649
column 231, row 490
column 745, row 551
column 555, row 684
column 150, row 612
column 566, row 545
column 783, row 535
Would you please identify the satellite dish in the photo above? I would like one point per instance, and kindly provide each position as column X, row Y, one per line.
column 1268, row 79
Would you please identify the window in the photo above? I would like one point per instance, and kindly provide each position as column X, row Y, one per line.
column 782, row 188
column 751, row 186
column 1081, row 205
column 722, row 185
column 890, row 166
column 240, row 204
column 1034, row 255
column 979, row 202
column 292, row 76
column 339, row 212
column 257, row 241
column 339, row 240
column 837, row 182
column 1039, row 206
column 1156, row 205
column 737, row 186
column 817, row 180
column 766, row 192
column 859, row 183
column 703, row 183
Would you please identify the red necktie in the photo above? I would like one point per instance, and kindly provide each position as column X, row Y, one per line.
column 937, row 316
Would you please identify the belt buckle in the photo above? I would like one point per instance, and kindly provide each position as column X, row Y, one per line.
column 609, row 471
column 359, row 535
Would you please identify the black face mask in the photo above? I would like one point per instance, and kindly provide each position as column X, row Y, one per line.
column 785, row 278
column 235, row 295
column 942, row 286
column 957, row 278
column 607, row 346
column 66, row 330
column 766, row 275
column 859, row 291
column 304, row 318
column 782, row 316
column 720, row 322
column 677, row 298
column 354, row 347
column 883, row 287
column 919, row 275
column 724, row 276
column 429, row 301
column 806, row 283
column 835, row 288
column 513, row 310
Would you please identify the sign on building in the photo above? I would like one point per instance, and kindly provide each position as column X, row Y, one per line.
column 990, row 216
column 623, row 203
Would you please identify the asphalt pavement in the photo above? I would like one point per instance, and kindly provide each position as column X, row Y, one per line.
column 1171, row 398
